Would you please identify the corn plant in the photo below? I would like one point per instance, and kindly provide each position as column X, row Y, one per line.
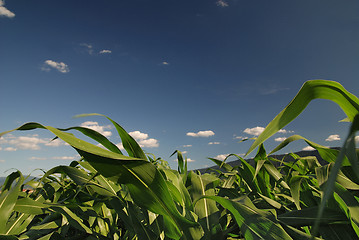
column 109, row 195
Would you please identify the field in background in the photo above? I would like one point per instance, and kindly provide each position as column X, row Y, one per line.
column 108, row 195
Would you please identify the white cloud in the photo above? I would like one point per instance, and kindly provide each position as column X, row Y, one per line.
column 207, row 133
column 256, row 131
column 280, row 139
column 59, row 66
column 165, row 63
column 138, row 135
column 4, row 12
column 105, row 51
column 142, row 140
column 95, row 126
column 221, row 156
column 308, row 148
column 150, row 143
column 222, row 3
column 334, row 137
column 214, row 143
column 10, row 149
column 2, row 161
column 188, row 145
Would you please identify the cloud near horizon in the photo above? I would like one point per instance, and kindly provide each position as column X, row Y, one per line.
column 206, row 133
column 33, row 142
column 4, row 12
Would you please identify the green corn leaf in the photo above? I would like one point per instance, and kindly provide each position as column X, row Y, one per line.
column 271, row 201
column 310, row 90
column 8, row 198
column 30, row 206
column 131, row 146
column 82, row 179
column 330, row 184
column 222, row 164
column 73, row 219
column 276, row 175
column 253, row 224
column 326, row 153
column 307, row 216
column 205, row 209
column 145, row 182
column 97, row 137
column 294, row 184
column 7, row 237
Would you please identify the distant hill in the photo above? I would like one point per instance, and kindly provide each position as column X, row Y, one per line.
column 285, row 157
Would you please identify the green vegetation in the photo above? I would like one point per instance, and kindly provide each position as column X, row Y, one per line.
column 107, row 195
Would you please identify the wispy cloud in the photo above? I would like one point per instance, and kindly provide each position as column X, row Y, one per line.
column 214, row 143
column 188, row 145
column 4, row 12
column 10, row 149
column 105, row 51
column 88, row 47
column 206, row 133
column 222, row 3
column 165, row 63
column 33, row 142
column 64, row 158
column 59, row 66
column 256, row 131
column 334, row 137
column 240, row 137
column 98, row 128
column 285, row 131
column 53, row 158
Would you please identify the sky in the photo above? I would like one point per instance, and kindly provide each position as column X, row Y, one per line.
column 195, row 76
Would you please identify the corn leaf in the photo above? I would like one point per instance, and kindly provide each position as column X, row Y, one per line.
column 311, row 90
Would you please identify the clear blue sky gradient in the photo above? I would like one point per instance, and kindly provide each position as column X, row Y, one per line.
column 170, row 68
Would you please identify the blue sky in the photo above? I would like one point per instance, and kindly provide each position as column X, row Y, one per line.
column 195, row 76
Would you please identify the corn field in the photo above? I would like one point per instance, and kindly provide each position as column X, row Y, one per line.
column 107, row 194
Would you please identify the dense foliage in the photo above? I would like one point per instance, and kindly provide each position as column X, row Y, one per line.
column 108, row 195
